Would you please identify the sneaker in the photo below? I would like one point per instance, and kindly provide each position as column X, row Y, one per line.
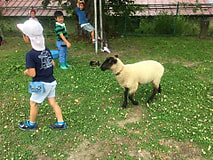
column 93, row 41
column 57, row 126
column 26, row 126
column 63, row 66
column 100, row 40
column 106, row 50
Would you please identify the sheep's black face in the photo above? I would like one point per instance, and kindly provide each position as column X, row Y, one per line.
column 108, row 63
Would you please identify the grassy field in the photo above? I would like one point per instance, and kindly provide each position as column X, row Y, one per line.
column 178, row 125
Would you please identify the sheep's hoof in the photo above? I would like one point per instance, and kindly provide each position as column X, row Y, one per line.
column 135, row 103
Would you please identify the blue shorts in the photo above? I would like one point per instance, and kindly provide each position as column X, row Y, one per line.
column 88, row 27
column 49, row 92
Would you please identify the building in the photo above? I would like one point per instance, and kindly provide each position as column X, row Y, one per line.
column 180, row 7
column 150, row 7
column 12, row 8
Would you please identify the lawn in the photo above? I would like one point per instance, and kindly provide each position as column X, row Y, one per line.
column 178, row 124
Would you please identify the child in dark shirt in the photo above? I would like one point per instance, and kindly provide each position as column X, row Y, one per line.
column 39, row 64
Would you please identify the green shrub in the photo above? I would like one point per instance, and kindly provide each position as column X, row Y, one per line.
column 188, row 25
column 164, row 23
column 167, row 24
column 146, row 26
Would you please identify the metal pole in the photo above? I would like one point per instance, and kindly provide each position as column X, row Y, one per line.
column 175, row 23
column 124, row 25
column 96, row 26
column 101, row 22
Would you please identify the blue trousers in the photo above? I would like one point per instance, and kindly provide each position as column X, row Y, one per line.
column 62, row 51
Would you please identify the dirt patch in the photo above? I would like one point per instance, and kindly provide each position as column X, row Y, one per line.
column 87, row 150
column 37, row 153
column 140, row 154
column 181, row 150
column 134, row 116
column 102, row 149
column 188, row 64
column 185, row 64
column 178, row 150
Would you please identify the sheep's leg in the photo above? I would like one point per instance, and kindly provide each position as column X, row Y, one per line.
column 159, row 89
column 132, row 100
column 125, row 98
column 153, row 94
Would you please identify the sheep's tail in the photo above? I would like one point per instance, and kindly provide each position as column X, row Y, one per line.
column 159, row 89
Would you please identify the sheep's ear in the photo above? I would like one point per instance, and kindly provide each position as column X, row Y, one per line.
column 116, row 56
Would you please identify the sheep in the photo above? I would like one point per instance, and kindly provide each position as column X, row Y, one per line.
column 129, row 76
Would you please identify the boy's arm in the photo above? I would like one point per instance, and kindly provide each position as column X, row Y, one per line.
column 30, row 72
column 65, row 40
column 53, row 63
column 78, row 2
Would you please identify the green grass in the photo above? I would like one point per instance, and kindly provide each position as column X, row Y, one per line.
column 177, row 125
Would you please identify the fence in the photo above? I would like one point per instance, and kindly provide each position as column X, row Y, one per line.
column 165, row 19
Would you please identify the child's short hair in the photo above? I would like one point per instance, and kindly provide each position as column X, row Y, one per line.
column 58, row 14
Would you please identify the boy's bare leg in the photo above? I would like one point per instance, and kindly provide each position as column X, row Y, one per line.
column 56, row 108
column 93, row 34
column 33, row 111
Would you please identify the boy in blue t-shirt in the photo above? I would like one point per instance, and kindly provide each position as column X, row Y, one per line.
column 39, row 64
column 86, row 25
column 83, row 19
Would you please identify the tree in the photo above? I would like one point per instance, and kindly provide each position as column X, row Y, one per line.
column 120, row 7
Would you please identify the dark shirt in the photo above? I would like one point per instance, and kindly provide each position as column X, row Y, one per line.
column 42, row 62
column 60, row 29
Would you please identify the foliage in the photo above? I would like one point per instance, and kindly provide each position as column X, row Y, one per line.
column 165, row 24
column 188, row 25
column 120, row 7
column 177, row 125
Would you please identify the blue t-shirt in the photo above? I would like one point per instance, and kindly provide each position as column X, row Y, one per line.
column 82, row 18
column 42, row 62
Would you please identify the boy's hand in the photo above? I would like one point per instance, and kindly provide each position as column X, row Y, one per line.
column 53, row 63
column 65, row 40
column 68, row 44
column 30, row 72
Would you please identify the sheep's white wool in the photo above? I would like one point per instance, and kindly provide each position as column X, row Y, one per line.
column 132, row 75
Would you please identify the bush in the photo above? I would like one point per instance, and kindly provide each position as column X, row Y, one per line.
column 165, row 24
column 146, row 26
column 188, row 25
column 162, row 24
